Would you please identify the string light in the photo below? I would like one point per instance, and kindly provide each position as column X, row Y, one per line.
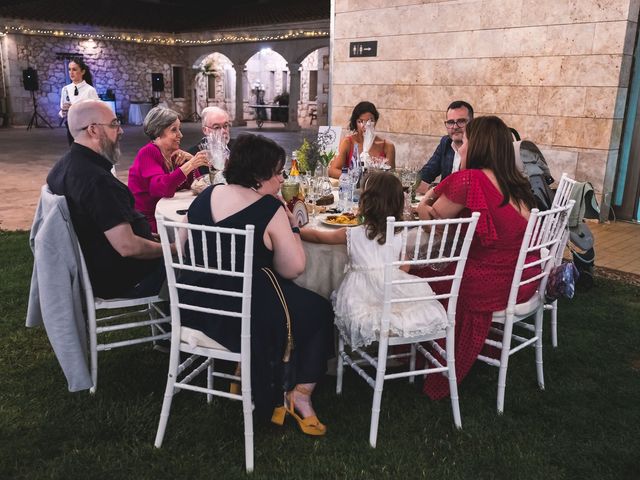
column 155, row 40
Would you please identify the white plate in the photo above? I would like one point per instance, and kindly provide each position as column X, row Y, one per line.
column 324, row 221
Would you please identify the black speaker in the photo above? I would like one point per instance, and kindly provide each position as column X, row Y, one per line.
column 157, row 82
column 30, row 79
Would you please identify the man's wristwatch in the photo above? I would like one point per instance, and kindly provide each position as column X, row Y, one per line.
column 295, row 230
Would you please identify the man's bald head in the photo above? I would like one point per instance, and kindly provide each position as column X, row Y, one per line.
column 85, row 113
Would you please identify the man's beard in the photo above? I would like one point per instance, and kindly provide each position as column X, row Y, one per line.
column 110, row 150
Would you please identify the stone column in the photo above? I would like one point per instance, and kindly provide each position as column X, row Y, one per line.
column 239, row 120
column 294, row 96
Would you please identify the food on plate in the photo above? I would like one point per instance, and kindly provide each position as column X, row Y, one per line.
column 342, row 219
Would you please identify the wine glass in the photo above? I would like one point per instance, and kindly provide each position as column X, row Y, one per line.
column 407, row 179
column 314, row 192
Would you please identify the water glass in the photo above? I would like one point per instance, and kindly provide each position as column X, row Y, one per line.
column 314, row 193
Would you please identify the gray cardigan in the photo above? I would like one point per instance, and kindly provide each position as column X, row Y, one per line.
column 55, row 297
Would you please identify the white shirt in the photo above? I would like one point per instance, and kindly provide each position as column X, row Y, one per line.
column 456, row 159
column 85, row 92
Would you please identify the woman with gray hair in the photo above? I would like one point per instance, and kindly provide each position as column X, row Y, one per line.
column 160, row 167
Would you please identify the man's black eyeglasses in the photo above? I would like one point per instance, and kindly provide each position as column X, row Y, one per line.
column 114, row 124
column 460, row 123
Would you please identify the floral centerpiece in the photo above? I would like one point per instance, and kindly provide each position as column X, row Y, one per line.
column 313, row 152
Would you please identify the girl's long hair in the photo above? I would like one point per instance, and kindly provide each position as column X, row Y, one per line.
column 490, row 145
column 382, row 197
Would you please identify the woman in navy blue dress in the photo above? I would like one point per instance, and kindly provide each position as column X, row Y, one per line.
column 254, row 175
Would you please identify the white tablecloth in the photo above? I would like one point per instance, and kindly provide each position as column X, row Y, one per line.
column 137, row 112
column 325, row 263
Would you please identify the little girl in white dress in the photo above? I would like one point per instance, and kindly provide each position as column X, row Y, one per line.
column 358, row 301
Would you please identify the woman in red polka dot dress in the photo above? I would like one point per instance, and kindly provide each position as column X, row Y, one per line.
column 490, row 184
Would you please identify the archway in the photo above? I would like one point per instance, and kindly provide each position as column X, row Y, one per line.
column 214, row 84
column 314, row 87
column 267, row 83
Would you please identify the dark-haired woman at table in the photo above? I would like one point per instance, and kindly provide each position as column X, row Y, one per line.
column 254, row 175
column 363, row 114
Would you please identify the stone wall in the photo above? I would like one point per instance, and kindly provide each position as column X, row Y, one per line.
column 122, row 67
column 556, row 70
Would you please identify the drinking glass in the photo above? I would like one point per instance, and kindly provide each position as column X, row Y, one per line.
column 289, row 190
column 314, row 192
column 408, row 180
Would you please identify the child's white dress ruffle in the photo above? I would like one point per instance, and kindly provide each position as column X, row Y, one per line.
column 358, row 301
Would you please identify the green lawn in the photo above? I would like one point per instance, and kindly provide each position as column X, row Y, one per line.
column 586, row 425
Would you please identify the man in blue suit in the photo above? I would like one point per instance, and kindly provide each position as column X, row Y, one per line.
column 445, row 160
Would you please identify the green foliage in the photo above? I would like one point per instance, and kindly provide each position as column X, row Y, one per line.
column 326, row 157
column 308, row 156
column 584, row 425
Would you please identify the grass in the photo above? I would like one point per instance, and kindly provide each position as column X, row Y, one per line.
column 584, row 426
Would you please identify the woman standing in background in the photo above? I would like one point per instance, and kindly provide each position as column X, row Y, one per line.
column 80, row 88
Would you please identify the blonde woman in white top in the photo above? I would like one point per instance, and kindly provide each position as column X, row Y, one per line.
column 80, row 88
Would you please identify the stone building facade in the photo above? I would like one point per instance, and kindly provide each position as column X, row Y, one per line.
column 556, row 70
column 122, row 67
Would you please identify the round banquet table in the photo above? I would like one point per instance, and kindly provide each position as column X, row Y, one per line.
column 325, row 264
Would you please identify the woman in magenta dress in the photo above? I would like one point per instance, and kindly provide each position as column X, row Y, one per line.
column 492, row 185
column 160, row 167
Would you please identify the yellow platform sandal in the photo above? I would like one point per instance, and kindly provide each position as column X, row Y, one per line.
column 310, row 425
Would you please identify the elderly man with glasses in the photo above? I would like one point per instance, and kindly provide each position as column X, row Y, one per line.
column 122, row 257
column 446, row 160
column 214, row 119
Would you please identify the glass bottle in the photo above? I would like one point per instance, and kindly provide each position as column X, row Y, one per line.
column 294, row 172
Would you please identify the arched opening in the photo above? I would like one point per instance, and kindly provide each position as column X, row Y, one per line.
column 215, row 83
column 314, row 88
column 267, row 83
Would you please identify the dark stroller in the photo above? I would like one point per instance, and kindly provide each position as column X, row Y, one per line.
column 581, row 244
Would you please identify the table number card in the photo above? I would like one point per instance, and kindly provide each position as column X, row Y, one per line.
column 300, row 213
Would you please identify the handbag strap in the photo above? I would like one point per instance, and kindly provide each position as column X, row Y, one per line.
column 276, row 286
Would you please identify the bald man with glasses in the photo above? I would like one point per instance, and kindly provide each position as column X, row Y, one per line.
column 445, row 160
column 123, row 259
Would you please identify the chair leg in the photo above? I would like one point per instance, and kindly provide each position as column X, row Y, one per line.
column 174, row 360
column 453, row 382
column 155, row 329
column 412, row 362
column 210, row 380
column 554, row 324
column 247, row 410
column 504, row 362
column 538, row 347
column 93, row 349
column 377, row 392
column 339, row 365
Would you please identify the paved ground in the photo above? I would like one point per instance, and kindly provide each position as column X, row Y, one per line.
column 27, row 156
